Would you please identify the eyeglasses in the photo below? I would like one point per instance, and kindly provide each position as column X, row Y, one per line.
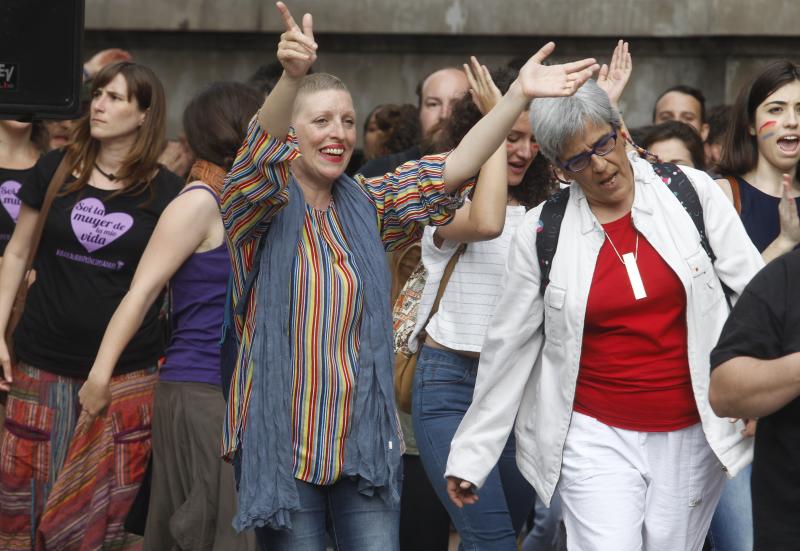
column 601, row 147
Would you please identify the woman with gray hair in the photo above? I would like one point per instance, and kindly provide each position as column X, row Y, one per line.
column 600, row 348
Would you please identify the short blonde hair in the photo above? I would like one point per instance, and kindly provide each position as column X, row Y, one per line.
column 317, row 82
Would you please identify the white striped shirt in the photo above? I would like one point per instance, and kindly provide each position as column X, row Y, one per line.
column 474, row 288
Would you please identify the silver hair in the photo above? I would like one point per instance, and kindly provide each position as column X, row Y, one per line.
column 556, row 121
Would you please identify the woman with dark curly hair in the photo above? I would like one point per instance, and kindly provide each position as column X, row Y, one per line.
column 529, row 179
column 447, row 365
column 390, row 128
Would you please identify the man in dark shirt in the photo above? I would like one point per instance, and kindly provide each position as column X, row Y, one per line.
column 757, row 376
column 437, row 93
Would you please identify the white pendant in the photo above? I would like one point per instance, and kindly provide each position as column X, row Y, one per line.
column 629, row 259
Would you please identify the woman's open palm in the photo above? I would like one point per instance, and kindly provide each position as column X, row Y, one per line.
column 539, row 80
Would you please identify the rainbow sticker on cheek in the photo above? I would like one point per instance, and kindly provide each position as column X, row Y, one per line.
column 765, row 126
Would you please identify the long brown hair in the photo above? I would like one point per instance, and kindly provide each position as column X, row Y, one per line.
column 141, row 165
column 740, row 148
column 216, row 119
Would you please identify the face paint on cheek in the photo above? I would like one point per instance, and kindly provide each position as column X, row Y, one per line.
column 765, row 126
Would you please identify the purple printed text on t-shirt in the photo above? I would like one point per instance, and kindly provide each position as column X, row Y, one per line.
column 9, row 199
column 118, row 265
column 94, row 228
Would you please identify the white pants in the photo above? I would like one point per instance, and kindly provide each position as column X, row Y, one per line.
column 624, row 490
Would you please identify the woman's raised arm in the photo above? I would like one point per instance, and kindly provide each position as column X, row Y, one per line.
column 534, row 80
column 297, row 52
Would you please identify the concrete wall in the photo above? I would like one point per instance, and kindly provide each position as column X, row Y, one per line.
column 457, row 17
column 382, row 48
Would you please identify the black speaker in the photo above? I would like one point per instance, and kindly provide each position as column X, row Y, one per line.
column 41, row 68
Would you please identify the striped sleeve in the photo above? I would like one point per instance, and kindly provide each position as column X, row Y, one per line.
column 254, row 191
column 410, row 198
column 255, row 188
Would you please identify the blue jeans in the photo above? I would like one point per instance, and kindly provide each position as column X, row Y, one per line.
column 732, row 525
column 443, row 386
column 357, row 522
column 544, row 536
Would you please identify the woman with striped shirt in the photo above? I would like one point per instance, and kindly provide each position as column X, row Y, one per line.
column 311, row 415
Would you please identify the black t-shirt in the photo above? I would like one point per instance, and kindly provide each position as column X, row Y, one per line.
column 89, row 251
column 765, row 324
column 10, row 183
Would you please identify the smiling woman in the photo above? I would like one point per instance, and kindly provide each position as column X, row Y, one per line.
column 324, row 121
column 318, row 316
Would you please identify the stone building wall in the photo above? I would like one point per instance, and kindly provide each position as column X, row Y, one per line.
column 381, row 48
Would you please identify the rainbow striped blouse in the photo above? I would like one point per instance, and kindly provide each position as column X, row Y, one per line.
column 326, row 306
column 255, row 190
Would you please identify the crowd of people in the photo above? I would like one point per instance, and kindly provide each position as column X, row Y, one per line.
column 509, row 321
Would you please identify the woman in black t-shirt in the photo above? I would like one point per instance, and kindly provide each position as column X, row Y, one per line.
column 21, row 145
column 64, row 475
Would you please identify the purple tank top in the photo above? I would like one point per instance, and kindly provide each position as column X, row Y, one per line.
column 198, row 297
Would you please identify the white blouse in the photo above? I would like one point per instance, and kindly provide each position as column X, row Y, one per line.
column 474, row 289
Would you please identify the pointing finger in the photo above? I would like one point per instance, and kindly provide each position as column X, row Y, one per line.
column 288, row 20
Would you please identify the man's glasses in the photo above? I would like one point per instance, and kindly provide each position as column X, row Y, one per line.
column 601, row 147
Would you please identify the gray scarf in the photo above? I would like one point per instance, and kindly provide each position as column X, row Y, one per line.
column 267, row 491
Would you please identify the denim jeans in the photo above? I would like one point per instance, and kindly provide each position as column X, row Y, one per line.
column 732, row 524
column 546, row 531
column 357, row 522
column 443, row 386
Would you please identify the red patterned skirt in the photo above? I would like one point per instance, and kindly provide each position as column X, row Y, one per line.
column 67, row 481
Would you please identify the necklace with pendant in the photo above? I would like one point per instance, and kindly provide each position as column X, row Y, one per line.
column 629, row 261
column 111, row 177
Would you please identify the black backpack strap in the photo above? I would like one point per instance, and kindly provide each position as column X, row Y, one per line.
column 680, row 186
column 547, row 233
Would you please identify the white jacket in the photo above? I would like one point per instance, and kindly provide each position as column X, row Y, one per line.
column 526, row 376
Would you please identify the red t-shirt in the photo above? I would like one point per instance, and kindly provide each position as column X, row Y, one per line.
column 634, row 371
